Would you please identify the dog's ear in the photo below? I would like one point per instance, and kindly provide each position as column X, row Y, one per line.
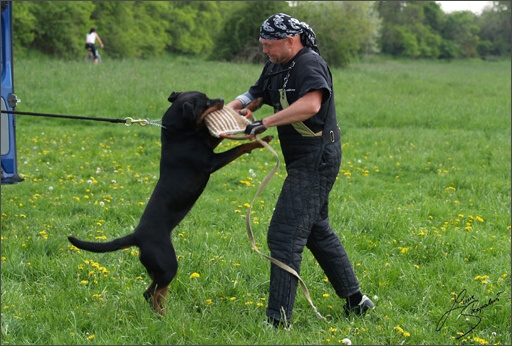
column 173, row 96
column 192, row 110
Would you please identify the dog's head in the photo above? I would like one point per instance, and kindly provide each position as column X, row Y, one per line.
column 188, row 110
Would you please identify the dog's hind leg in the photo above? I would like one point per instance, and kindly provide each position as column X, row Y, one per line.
column 159, row 299
column 155, row 296
column 161, row 263
column 150, row 292
column 166, row 265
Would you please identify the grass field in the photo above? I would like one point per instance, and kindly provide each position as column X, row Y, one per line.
column 422, row 205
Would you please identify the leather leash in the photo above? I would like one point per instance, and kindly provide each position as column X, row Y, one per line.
column 128, row 121
column 251, row 235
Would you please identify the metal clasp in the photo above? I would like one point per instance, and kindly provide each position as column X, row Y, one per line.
column 130, row 121
column 12, row 100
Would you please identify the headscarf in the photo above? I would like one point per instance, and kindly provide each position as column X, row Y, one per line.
column 281, row 25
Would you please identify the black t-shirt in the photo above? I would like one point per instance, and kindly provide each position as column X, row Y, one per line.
column 306, row 72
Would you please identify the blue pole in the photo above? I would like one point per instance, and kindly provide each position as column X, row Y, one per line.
column 9, row 171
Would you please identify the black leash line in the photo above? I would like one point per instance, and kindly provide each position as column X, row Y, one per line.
column 127, row 121
column 65, row 116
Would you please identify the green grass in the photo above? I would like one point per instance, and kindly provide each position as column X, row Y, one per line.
column 422, row 205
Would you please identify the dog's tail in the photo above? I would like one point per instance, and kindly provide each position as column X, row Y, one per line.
column 116, row 244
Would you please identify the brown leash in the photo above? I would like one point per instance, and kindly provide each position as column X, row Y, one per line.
column 251, row 235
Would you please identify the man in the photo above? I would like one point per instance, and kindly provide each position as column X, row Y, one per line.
column 297, row 82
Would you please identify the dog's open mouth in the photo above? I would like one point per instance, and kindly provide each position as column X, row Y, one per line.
column 213, row 105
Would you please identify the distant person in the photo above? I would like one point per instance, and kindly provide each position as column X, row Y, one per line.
column 90, row 41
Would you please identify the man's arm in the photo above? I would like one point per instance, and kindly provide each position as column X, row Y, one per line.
column 302, row 109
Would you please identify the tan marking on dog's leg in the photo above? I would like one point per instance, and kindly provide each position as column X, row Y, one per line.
column 159, row 300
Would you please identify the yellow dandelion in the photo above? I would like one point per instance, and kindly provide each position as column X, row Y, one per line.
column 194, row 275
column 325, row 295
column 481, row 341
column 208, row 301
column 481, row 277
column 399, row 329
column 91, row 337
column 84, row 282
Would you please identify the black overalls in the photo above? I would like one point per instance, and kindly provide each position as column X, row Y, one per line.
column 312, row 153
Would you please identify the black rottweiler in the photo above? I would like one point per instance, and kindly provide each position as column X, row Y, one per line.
column 187, row 161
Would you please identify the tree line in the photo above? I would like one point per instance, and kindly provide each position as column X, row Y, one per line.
column 229, row 31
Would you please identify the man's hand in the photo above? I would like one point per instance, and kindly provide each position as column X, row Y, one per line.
column 255, row 128
column 246, row 113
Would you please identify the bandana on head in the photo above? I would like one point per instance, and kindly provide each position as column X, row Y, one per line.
column 281, row 25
